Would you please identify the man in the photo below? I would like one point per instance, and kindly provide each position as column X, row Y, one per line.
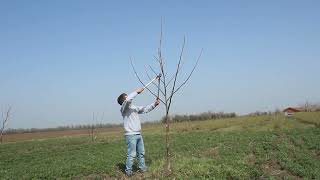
column 132, row 127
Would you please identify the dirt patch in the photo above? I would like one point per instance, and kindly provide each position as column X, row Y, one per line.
column 195, row 128
column 96, row 177
column 212, row 152
column 182, row 130
column 136, row 176
column 316, row 153
column 314, row 124
column 251, row 159
column 273, row 168
column 298, row 142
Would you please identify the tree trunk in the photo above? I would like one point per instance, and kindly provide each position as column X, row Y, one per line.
column 168, row 155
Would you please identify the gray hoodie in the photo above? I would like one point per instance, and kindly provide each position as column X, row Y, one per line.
column 131, row 120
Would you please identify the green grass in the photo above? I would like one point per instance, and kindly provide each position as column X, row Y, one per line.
column 241, row 148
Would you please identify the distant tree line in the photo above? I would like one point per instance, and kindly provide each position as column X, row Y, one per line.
column 263, row 113
column 201, row 117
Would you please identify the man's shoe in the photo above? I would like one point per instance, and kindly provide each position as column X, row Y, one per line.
column 129, row 173
column 143, row 170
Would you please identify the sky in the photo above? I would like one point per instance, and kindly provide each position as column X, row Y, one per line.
column 61, row 61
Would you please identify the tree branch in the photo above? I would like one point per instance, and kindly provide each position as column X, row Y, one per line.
column 6, row 117
column 155, row 73
column 135, row 72
column 153, row 82
column 194, row 67
column 177, row 72
column 161, row 64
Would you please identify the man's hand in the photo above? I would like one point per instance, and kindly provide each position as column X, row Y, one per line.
column 158, row 77
column 157, row 102
column 140, row 90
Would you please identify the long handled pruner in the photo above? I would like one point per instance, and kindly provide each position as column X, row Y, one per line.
column 157, row 77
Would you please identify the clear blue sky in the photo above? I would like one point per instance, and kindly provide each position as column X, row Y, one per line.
column 60, row 61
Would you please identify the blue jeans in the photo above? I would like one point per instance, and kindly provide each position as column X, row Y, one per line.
column 135, row 148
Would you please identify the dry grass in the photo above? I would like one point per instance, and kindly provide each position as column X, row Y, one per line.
column 309, row 117
column 55, row 134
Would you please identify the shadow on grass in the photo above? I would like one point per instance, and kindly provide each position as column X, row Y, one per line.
column 121, row 167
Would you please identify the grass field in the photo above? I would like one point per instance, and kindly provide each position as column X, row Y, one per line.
column 270, row 146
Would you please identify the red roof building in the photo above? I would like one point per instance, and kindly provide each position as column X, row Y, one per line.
column 290, row 111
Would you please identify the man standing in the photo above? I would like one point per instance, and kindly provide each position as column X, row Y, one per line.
column 132, row 127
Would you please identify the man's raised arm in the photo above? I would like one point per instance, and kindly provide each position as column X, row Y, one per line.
column 130, row 97
column 146, row 109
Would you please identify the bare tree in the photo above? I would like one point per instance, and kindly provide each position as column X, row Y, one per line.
column 5, row 118
column 168, row 87
column 307, row 106
column 93, row 128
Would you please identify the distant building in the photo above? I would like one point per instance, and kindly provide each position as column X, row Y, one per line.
column 290, row 111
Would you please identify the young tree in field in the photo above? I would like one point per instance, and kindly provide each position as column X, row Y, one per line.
column 5, row 118
column 93, row 128
column 307, row 106
column 168, row 87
